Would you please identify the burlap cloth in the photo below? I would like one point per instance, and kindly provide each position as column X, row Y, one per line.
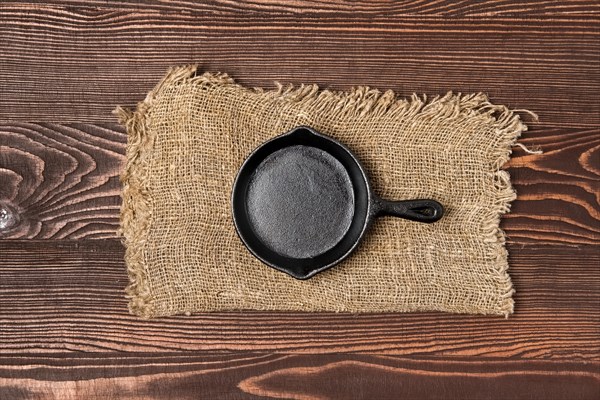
column 192, row 133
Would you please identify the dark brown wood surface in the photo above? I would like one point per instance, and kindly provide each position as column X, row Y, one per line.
column 64, row 327
column 255, row 375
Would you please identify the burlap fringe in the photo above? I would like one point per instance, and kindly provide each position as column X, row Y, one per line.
column 136, row 211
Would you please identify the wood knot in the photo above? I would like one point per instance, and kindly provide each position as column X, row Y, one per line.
column 8, row 217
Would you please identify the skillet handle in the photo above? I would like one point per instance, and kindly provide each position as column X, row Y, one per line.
column 420, row 210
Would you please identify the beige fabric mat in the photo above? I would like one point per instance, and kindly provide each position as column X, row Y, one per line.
column 194, row 130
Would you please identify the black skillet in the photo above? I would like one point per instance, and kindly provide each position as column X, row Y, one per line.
column 302, row 202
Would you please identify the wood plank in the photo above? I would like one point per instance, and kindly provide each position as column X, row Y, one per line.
column 243, row 375
column 445, row 8
column 76, row 63
column 61, row 181
column 67, row 296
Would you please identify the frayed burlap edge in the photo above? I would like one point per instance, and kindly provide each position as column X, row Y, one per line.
column 136, row 210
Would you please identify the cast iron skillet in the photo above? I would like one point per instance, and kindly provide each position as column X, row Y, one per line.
column 302, row 202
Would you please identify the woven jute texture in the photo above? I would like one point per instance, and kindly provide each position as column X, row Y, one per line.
column 188, row 138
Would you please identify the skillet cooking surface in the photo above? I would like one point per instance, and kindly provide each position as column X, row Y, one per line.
column 300, row 201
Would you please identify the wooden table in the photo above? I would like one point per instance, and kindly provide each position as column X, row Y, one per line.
column 65, row 331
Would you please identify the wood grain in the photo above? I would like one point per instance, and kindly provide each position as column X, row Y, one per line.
column 62, row 296
column 558, row 192
column 62, row 181
column 251, row 375
column 74, row 63
column 64, row 327
column 391, row 9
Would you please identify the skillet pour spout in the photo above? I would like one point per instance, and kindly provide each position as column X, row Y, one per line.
column 302, row 202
